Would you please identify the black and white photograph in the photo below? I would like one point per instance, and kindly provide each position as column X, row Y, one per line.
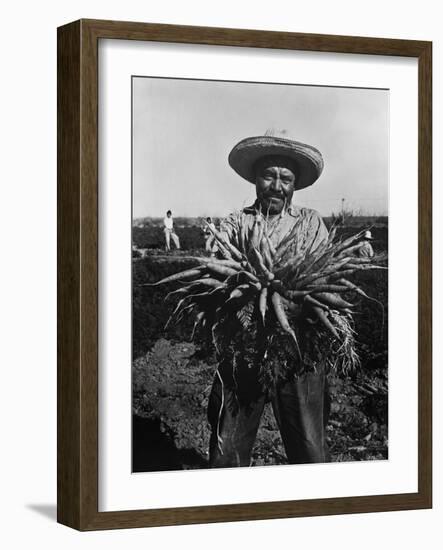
column 221, row 288
column 260, row 216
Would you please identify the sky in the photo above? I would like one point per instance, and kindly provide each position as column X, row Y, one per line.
column 183, row 131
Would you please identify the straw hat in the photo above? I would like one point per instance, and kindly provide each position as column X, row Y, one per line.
column 245, row 154
column 368, row 235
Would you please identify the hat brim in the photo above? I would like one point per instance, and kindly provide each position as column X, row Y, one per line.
column 308, row 159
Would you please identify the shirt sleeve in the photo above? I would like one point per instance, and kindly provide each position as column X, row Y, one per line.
column 366, row 250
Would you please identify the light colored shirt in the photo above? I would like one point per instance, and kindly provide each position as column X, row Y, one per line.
column 365, row 250
column 169, row 223
column 311, row 229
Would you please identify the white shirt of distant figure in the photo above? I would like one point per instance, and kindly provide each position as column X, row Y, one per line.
column 168, row 223
column 365, row 250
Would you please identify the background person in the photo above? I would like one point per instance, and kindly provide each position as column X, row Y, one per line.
column 366, row 250
column 210, row 243
column 169, row 232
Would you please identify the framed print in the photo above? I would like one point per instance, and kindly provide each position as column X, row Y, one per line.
column 244, row 275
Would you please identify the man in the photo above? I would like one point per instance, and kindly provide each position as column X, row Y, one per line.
column 168, row 223
column 278, row 167
column 209, row 230
column 365, row 250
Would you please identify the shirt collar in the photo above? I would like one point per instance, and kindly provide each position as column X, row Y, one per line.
column 255, row 208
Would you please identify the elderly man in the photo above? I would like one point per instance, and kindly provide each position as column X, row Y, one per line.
column 277, row 167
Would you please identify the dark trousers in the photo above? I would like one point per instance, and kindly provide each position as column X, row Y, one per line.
column 301, row 407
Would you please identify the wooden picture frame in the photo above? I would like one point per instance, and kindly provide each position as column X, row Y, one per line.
column 78, row 274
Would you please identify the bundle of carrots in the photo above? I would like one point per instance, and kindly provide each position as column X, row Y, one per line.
column 275, row 281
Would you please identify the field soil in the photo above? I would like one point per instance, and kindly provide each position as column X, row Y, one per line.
column 172, row 375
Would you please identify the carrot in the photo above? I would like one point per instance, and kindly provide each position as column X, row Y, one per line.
column 215, row 283
column 315, row 303
column 257, row 286
column 218, row 234
column 234, row 304
column 282, row 318
column 350, row 250
column 187, row 309
column 295, row 295
column 364, row 267
column 327, row 288
column 234, row 251
column 302, row 282
column 199, row 319
column 220, row 269
column 264, row 249
column 347, row 242
column 187, row 274
column 176, row 310
column 271, row 247
column 250, row 276
column 291, row 269
column 176, row 292
column 338, row 264
column 330, row 270
column 238, row 291
column 253, row 240
column 332, row 233
column 264, row 270
column 260, row 233
column 288, row 238
column 287, row 293
column 319, row 281
column 224, row 245
column 263, row 302
column 242, row 238
column 223, row 250
column 227, row 263
column 359, row 261
column 324, row 258
column 241, row 275
column 352, row 286
column 313, row 258
column 334, row 276
column 332, row 300
column 326, row 322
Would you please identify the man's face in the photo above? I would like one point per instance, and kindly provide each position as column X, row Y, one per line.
column 275, row 182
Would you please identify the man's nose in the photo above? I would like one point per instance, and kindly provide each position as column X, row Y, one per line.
column 276, row 184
